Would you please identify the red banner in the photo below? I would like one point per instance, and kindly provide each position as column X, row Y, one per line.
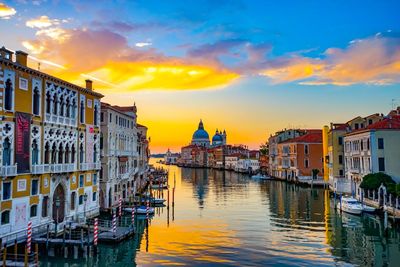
column 22, row 141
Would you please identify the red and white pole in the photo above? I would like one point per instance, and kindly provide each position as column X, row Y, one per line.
column 120, row 207
column 133, row 215
column 96, row 228
column 114, row 223
column 147, row 208
column 29, row 241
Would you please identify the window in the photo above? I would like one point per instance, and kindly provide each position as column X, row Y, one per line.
column 101, row 117
column 80, row 199
column 305, row 149
column 306, row 163
column 45, row 203
column 81, row 179
column 341, row 172
column 110, row 117
column 340, row 140
column 33, row 211
column 94, row 178
column 48, row 103
column 34, row 187
column 381, row 163
column 82, row 114
column 35, row 153
column 6, row 190
column 81, row 154
column 5, row 217
column 36, row 101
column 380, row 143
column 94, row 198
column 95, row 111
column 369, row 121
column 356, row 126
column 73, row 196
column 340, row 159
column 8, row 95
column 6, row 152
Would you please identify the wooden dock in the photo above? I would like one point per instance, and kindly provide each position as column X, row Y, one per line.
column 120, row 234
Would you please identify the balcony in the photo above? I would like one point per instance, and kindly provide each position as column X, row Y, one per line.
column 8, row 170
column 90, row 166
column 52, row 118
column 53, row 168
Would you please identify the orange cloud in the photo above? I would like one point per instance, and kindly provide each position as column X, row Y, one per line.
column 107, row 56
column 374, row 60
column 6, row 12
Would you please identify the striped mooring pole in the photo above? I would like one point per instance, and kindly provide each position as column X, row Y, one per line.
column 147, row 208
column 133, row 215
column 114, row 223
column 96, row 228
column 120, row 207
column 29, row 241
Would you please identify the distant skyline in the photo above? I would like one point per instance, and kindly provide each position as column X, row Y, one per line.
column 249, row 67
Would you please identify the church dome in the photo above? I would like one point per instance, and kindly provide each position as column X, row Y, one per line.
column 200, row 136
column 217, row 138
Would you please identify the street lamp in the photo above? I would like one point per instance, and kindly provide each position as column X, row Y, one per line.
column 85, row 196
column 58, row 204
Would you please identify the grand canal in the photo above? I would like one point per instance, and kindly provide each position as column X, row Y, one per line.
column 228, row 219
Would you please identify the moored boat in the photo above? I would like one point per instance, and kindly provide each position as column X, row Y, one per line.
column 350, row 205
column 140, row 210
column 368, row 209
column 260, row 176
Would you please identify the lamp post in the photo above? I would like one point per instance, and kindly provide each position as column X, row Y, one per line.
column 85, row 196
column 58, row 204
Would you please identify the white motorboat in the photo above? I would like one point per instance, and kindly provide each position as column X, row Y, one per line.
column 140, row 210
column 368, row 209
column 260, row 176
column 350, row 205
column 159, row 186
column 157, row 201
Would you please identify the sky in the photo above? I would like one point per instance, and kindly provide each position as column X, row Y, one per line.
column 249, row 67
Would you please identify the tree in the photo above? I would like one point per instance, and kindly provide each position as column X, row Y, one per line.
column 315, row 173
column 373, row 181
column 264, row 149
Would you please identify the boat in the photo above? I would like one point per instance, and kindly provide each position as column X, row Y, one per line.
column 157, row 201
column 159, row 186
column 140, row 210
column 350, row 205
column 260, row 176
column 368, row 209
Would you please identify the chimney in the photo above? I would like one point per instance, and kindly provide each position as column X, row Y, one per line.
column 89, row 84
column 21, row 58
column 5, row 53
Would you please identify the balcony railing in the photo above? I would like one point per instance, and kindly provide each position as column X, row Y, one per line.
column 54, row 168
column 90, row 166
column 8, row 170
column 127, row 153
column 60, row 119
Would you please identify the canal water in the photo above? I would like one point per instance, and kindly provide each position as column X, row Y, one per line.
column 229, row 219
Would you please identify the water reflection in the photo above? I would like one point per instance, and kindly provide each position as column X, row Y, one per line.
column 228, row 219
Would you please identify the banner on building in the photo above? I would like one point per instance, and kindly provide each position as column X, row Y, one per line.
column 22, row 141
column 89, row 143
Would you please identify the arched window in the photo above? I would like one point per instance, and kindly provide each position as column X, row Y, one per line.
column 62, row 106
column 73, row 199
column 67, row 152
column 36, row 101
column 73, row 110
column 81, row 154
column 48, row 102
column 82, row 114
column 67, row 108
column 95, row 115
column 47, row 153
column 6, row 152
column 35, row 153
column 54, row 154
column 8, row 95
column 60, row 154
column 73, row 154
column 55, row 105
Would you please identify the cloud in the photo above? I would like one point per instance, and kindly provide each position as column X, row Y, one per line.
column 42, row 22
column 6, row 12
column 373, row 60
column 143, row 44
column 106, row 55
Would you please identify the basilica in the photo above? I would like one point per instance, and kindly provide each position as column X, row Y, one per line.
column 201, row 137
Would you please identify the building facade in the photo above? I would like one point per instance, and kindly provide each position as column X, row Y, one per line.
column 119, row 151
column 373, row 149
column 50, row 148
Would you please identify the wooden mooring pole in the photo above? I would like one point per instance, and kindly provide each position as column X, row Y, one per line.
column 4, row 255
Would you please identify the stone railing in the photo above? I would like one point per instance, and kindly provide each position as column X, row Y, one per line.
column 8, row 170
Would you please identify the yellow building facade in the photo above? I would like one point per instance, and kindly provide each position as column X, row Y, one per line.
column 49, row 156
